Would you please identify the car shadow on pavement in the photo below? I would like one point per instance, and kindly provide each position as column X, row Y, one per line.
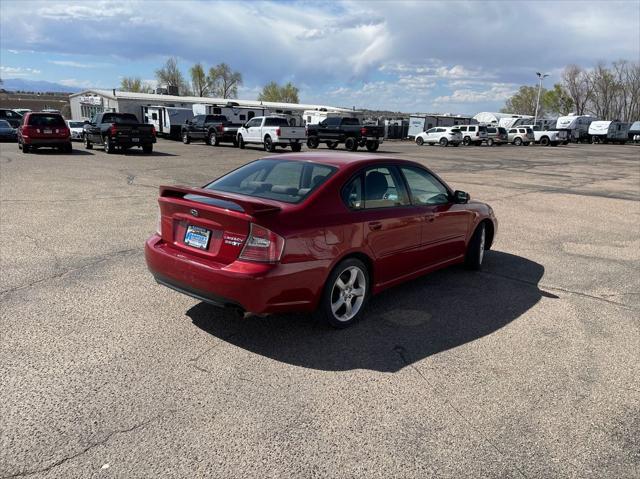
column 410, row 322
column 53, row 151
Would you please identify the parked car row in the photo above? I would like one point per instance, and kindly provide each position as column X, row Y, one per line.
column 490, row 135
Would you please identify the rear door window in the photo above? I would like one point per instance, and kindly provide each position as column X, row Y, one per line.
column 46, row 120
column 472, row 128
column 382, row 189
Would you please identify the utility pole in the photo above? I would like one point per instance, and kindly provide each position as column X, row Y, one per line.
column 541, row 76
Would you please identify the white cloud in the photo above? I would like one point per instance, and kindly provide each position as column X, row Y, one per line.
column 76, row 64
column 496, row 93
column 77, row 83
column 19, row 71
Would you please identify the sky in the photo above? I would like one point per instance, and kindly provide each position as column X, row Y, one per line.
column 422, row 56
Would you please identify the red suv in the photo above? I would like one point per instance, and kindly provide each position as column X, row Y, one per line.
column 44, row 130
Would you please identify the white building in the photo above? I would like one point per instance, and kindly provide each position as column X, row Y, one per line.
column 89, row 102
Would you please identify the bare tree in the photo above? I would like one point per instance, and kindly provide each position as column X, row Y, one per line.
column 170, row 75
column 605, row 92
column 627, row 77
column 199, row 82
column 576, row 83
column 224, row 82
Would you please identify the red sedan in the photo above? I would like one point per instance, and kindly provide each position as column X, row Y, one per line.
column 306, row 232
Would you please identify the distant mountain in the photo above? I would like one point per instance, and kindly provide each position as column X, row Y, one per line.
column 17, row 84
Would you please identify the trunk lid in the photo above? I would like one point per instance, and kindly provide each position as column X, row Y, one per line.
column 206, row 223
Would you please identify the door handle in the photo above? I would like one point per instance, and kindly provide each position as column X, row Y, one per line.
column 375, row 226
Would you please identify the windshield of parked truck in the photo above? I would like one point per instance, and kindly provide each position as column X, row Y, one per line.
column 350, row 121
column 120, row 118
column 276, row 121
column 281, row 180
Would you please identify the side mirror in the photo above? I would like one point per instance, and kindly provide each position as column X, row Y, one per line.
column 461, row 197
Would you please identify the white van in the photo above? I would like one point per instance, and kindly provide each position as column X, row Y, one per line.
column 609, row 132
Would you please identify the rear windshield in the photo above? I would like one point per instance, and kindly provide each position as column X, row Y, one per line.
column 482, row 128
column 350, row 121
column 120, row 118
column 491, row 130
column 46, row 120
column 276, row 121
column 76, row 124
column 281, row 180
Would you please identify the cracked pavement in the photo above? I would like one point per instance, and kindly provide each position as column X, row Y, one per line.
column 528, row 369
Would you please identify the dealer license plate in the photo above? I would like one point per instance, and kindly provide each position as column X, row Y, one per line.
column 197, row 237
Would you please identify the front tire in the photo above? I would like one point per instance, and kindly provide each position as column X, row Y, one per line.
column 490, row 142
column 372, row 146
column 186, row 139
column 443, row 142
column 466, row 141
column 212, row 139
column 475, row 249
column 517, row 141
column 544, row 141
column 87, row 144
column 419, row 141
column 313, row 142
column 241, row 142
column 345, row 294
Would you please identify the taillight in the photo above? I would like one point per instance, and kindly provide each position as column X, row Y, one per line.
column 113, row 129
column 65, row 132
column 278, row 131
column 153, row 130
column 220, row 128
column 27, row 130
column 262, row 245
column 363, row 131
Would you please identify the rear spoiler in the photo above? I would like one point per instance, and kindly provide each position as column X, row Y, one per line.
column 252, row 207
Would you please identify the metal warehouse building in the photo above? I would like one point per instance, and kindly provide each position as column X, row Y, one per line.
column 89, row 102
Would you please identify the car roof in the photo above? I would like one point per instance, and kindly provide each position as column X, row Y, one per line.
column 339, row 160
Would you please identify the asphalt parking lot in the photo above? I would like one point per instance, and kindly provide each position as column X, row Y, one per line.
column 530, row 368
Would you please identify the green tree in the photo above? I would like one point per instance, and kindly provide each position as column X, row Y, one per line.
column 224, row 82
column 524, row 102
column 199, row 82
column 285, row 94
column 557, row 101
column 170, row 75
column 134, row 84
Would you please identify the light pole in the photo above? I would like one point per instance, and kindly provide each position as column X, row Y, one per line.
column 541, row 76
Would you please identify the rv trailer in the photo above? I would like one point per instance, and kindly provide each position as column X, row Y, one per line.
column 233, row 112
column 609, row 132
column 576, row 126
column 167, row 120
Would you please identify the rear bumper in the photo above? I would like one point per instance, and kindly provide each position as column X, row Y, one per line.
column 46, row 141
column 127, row 143
column 253, row 287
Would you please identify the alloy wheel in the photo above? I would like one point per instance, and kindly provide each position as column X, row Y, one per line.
column 348, row 293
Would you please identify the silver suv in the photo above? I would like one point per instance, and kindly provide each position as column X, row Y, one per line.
column 521, row 136
column 475, row 134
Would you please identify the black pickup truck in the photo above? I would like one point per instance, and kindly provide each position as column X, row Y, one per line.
column 212, row 129
column 347, row 130
column 118, row 131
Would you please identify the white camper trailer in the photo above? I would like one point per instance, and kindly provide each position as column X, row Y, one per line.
column 313, row 117
column 505, row 120
column 421, row 123
column 608, row 132
column 167, row 120
column 233, row 112
column 576, row 126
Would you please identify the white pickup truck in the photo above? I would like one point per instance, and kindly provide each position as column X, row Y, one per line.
column 548, row 137
column 271, row 131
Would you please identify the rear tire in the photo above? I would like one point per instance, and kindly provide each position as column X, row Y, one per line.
column 241, row 142
column 476, row 248
column 269, row 145
column 25, row 148
column 372, row 146
column 419, row 141
column 87, row 144
column 147, row 149
column 313, row 142
column 443, row 142
column 68, row 148
column 296, row 147
column 351, row 144
column 544, row 141
column 186, row 139
column 517, row 141
column 345, row 294
column 212, row 139
column 108, row 147
column 490, row 142
column 466, row 141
